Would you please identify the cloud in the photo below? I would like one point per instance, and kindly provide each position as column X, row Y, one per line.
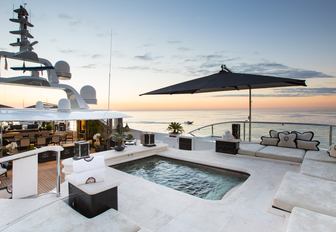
column 89, row 66
column 174, row 41
column 212, row 56
column 106, row 34
column 143, row 68
column 75, row 22
column 96, row 56
column 65, row 16
column 135, row 68
column 147, row 57
column 281, row 70
column 290, row 92
column 72, row 21
column 184, row 49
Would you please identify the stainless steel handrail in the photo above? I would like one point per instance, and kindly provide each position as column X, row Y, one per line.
column 265, row 122
column 34, row 152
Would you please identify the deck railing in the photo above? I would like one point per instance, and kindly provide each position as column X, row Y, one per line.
column 323, row 132
column 35, row 152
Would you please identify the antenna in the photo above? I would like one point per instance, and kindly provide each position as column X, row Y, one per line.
column 109, row 84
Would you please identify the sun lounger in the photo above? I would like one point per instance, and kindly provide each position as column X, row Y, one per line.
column 298, row 190
column 249, row 148
column 282, row 153
column 302, row 220
column 321, row 156
column 324, row 170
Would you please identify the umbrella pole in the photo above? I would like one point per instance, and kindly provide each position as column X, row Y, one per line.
column 250, row 112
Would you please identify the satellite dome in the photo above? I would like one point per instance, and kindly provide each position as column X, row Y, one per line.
column 64, row 105
column 88, row 93
column 62, row 69
column 39, row 105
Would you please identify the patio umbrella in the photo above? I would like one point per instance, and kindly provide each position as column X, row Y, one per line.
column 225, row 80
column 4, row 106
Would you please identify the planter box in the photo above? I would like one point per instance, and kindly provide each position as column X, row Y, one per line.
column 91, row 201
column 185, row 143
column 230, row 147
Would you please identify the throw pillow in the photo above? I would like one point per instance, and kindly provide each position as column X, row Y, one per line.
column 287, row 140
column 307, row 136
column 275, row 134
column 332, row 150
column 308, row 145
column 268, row 141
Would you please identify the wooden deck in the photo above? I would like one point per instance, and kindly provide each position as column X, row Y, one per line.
column 46, row 177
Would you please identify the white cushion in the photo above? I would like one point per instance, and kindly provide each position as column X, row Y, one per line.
column 249, row 148
column 332, row 150
column 319, row 169
column 303, row 220
column 282, row 153
column 298, row 190
column 322, row 156
column 269, row 141
column 287, row 140
column 275, row 134
column 307, row 145
column 307, row 136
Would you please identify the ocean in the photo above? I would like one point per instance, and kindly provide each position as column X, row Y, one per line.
column 157, row 121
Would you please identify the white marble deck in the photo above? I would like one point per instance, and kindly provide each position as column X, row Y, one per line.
column 159, row 208
column 246, row 208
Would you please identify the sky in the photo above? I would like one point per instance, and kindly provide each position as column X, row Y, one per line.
column 156, row 43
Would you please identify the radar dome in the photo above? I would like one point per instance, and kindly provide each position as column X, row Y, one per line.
column 64, row 105
column 39, row 105
column 62, row 69
column 88, row 93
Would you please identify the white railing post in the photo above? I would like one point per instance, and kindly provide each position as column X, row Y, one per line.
column 58, row 177
column 330, row 134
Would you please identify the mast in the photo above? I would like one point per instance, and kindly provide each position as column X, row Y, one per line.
column 23, row 21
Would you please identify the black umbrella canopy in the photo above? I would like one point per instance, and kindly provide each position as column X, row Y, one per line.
column 225, row 80
column 4, row 106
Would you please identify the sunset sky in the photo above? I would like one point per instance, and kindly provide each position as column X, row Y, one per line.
column 156, row 43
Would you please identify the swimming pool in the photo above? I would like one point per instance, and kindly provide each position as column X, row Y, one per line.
column 197, row 180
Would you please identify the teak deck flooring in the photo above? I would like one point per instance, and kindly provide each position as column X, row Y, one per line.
column 46, row 177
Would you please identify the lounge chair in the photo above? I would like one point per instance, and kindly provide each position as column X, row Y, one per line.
column 321, row 156
column 298, row 190
column 41, row 141
column 282, row 153
column 55, row 139
column 320, row 169
column 302, row 220
column 249, row 148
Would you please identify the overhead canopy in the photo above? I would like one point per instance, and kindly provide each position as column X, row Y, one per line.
column 55, row 115
column 225, row 80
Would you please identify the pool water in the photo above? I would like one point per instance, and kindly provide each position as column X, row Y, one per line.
column 197, row 180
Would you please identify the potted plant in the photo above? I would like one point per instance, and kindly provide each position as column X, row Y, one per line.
column 119, row 141
column 175, row 128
